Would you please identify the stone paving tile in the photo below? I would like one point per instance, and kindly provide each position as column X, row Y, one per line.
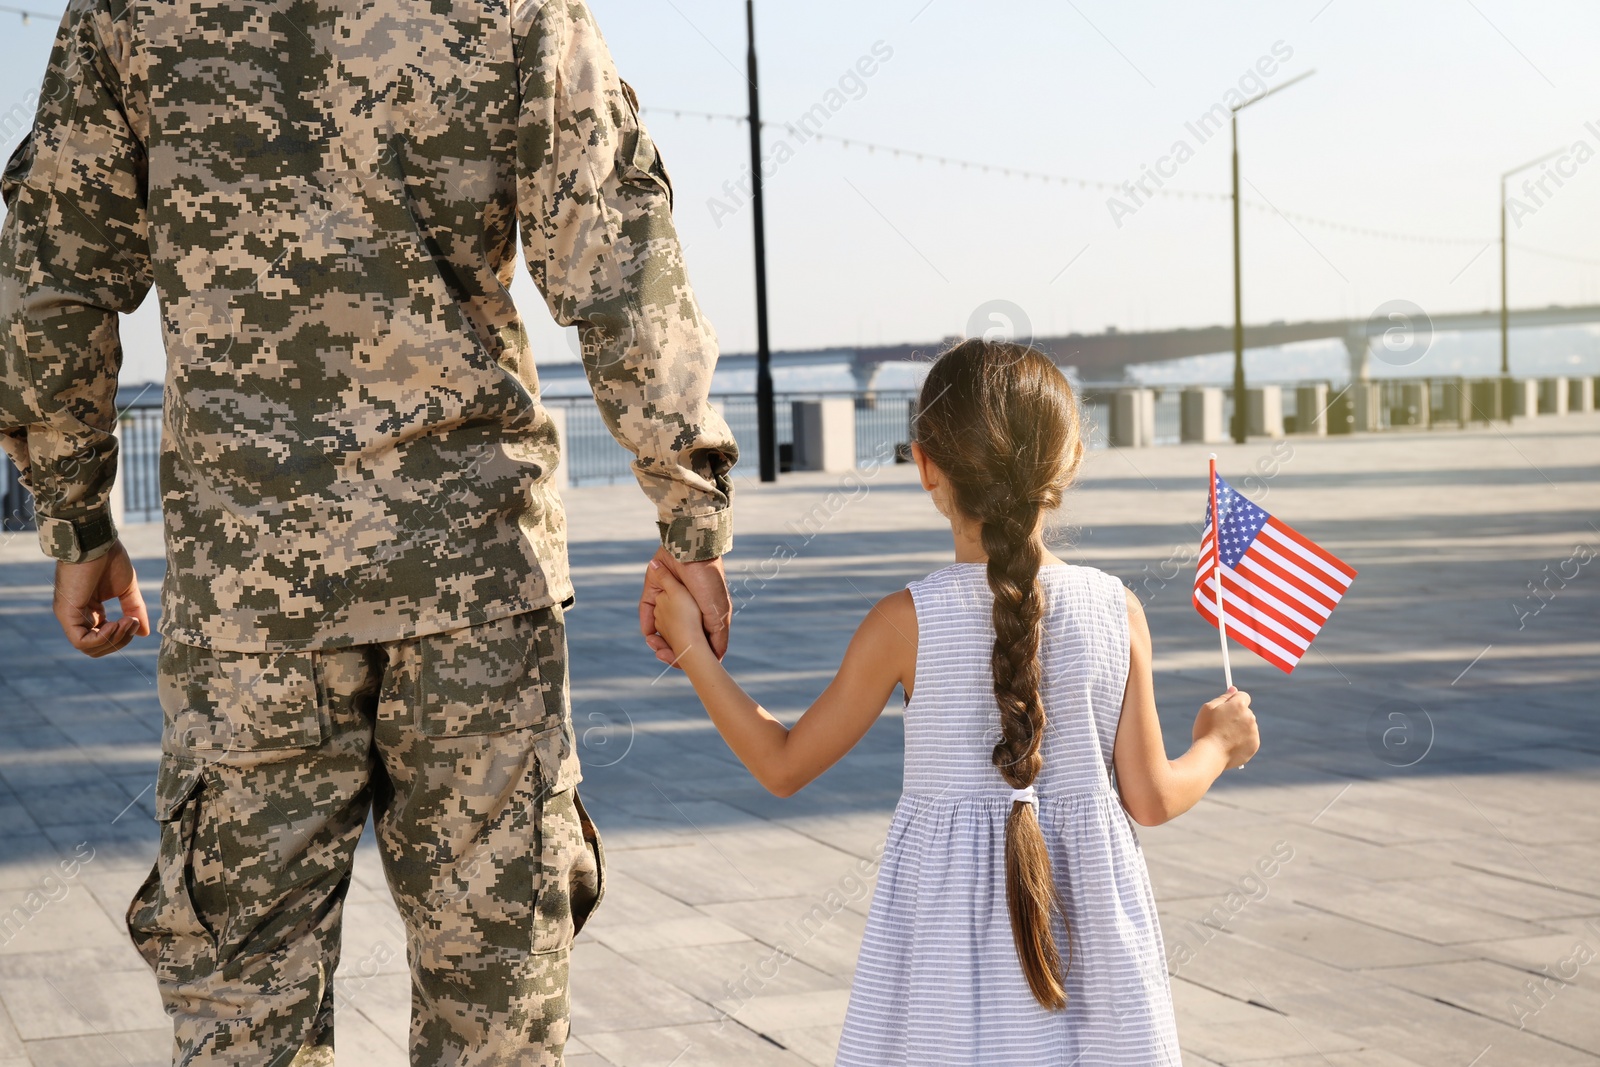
column 814, row 1044
column 1519, row 899
column 146, row 1048
column 113, row 889
column 789, row 1011
column 826, row 941
column 1346, row 943
column 637, row 938
column 706, row 1045
column 732, row 977
column 36, row 922
column 1569, row 1014
column 611, row 992
column 380, row 1004
column 1365, row 1058
column 11, row 1049
column 1267, row 1034
column 1411, row 912
column 77, row 1005
column 1573, row 956
column 363, row 1043
column 1415, row 888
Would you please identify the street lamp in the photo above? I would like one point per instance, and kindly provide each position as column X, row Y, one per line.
column 1505, row 307
column 766, row 417
column 1240, row 414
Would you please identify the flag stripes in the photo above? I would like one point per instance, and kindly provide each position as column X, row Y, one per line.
column 1278, row 586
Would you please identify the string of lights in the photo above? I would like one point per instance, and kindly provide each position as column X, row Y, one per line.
column 1069, row 181
column 27, row 15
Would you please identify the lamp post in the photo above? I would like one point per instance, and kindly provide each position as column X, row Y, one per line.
column 766, row 417
column 1240, row 413
column 1505, row 306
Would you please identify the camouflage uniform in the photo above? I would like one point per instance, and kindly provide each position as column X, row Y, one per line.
column 355, row 468
column 461, row 744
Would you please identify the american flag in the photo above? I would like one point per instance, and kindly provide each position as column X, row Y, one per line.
column 1278, row 586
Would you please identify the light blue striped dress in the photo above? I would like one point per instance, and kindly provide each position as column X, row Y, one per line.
column 938, row 982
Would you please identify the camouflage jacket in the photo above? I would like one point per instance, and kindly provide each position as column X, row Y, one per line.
column 327, row 196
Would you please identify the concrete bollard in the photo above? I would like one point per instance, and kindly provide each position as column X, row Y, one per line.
column 1200, row 416
column 562, row 478
column 1366, row 405
column 1580, row 395
column 1265, row 411
column 1311, row 409
column 1485, row 400
column 825, row 435
column 1553, row 396
column 1413, row 408
column 1133, row 418
column 1524, row 398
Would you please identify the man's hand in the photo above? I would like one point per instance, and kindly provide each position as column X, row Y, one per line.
column 81, row 591
column 706, row 582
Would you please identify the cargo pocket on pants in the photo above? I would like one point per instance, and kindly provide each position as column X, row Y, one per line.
column 498, row 677
column 492, row 678
column 570, row 874
column 166, row 926
column 589, row 877
column 239, row 707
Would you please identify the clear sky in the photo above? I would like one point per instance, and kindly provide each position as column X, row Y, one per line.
column 1414, row 111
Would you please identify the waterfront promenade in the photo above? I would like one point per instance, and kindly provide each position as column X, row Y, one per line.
column 1407, row 876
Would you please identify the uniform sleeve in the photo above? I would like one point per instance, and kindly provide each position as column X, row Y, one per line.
column 73, row 253
column 595, row 207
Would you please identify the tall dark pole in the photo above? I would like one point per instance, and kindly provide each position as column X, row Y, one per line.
column 1505, row 307
column 1240, row 403
column 1506, row 385
column 1503, row 394
column 766, row 417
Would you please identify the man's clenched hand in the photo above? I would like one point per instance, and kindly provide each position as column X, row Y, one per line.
column 707, row 581
column 82, row 589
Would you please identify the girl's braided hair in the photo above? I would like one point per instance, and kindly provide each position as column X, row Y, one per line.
column 1001, row 422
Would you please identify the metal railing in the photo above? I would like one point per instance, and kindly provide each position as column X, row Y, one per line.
column 593, row 457
column 16, row 506
column 882, row 425
column 139, row 471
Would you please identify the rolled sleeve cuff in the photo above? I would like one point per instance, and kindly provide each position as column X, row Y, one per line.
column 77, row 540
column 692, row 538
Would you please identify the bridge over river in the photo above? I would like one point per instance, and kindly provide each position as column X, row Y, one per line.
column 1105, row 356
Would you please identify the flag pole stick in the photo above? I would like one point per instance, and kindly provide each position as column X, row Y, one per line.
column 1216, row 573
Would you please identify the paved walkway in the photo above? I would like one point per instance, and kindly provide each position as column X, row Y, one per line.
column 1407, row 875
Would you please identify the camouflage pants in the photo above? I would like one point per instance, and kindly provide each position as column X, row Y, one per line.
column 461, row 746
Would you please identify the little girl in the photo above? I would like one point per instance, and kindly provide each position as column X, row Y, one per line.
column 1013, row 922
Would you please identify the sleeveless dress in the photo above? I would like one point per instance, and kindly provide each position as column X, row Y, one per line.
column 938, row 982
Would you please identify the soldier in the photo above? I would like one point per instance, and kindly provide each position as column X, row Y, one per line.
column 366, row 559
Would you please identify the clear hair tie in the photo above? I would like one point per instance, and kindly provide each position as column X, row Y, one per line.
column 1025, row 796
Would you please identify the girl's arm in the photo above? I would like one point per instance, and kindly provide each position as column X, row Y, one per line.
column 1155, row 789
column 882, row 654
